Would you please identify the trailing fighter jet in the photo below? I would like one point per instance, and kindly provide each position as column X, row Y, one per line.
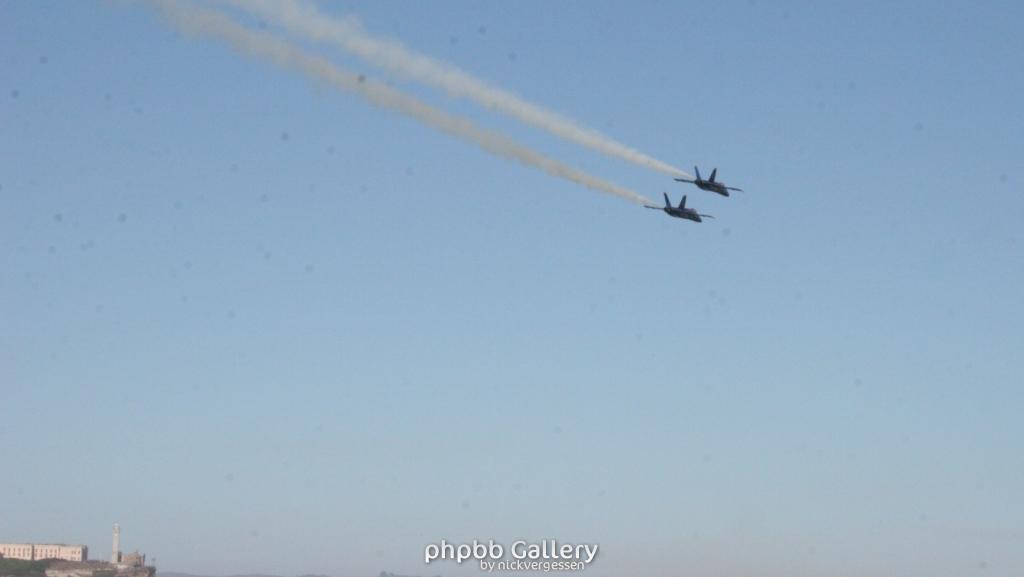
column 710, row 184
column 681, row 211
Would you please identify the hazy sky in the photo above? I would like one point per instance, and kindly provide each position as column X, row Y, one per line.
column 268, row 327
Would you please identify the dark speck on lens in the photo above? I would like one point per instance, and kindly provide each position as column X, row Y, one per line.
column 453, row 40
column 122, row 217
column 918, row 127
column 1003, row 178
column 284, row 136
column 15, row 93
column 43, row 59
column 482, row 30
column 361, row 78
column 58, row 217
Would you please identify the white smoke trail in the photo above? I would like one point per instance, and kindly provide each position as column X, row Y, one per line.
column 303, row 18
column 264, row 45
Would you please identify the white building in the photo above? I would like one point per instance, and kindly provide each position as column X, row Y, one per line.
column 38, row 551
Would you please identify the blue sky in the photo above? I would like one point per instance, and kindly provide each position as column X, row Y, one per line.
column 268, row 327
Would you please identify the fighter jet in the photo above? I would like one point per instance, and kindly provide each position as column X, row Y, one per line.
column 710, row 184
column 681, row 211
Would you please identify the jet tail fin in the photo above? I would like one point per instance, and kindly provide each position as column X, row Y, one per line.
column 682, row 203
column 697, row 172
column 668, row 203
column 713, row 173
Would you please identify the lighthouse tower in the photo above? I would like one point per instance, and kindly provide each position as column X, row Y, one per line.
column 115, row 556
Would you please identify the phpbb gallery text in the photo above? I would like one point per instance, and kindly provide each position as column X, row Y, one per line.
column 522, row 555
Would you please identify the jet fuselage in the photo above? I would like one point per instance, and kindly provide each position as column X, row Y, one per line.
column 687, row 213
column 712, row 186
column 680, row 211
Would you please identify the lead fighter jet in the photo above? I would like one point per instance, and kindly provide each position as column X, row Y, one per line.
column 710, row 184
column 681, row 211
